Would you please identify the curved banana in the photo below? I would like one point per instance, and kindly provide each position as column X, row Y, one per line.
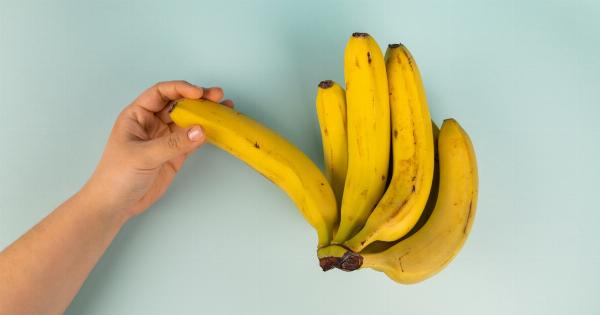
column 368, row 118
column 331, row 111
column 270, row 154
column 412, row 142
column 332, row 256
column 379, row 246
column 431, row 248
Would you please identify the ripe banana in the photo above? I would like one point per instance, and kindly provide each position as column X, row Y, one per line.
column 333, row 255
column 331, row 111
column 379, row 246
column 368, row 119
column 412, row 141
column 431, row 248
column 270, row 154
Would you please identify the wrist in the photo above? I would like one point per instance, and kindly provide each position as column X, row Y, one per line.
column 94, row 198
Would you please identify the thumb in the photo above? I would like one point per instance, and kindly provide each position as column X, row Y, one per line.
column 180, row 141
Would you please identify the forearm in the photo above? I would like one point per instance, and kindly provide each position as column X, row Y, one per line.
column 41, row 272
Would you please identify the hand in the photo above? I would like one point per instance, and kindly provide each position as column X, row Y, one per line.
column 146, row 149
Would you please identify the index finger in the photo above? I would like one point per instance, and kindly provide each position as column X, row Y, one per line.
column 155, row 98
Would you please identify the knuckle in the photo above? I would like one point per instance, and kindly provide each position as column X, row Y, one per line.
column 173, row 141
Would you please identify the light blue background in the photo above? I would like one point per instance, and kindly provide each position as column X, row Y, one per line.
column 523, row 77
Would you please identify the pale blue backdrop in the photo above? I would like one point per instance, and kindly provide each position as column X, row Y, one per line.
column 523, row 77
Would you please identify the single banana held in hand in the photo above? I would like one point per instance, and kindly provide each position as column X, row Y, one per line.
column 412, row 141
column 331, row 111
column 270, row 154
column 368, row 125
column 431, row 248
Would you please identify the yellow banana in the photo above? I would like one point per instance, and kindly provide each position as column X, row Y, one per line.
column 412, row 142
column 379, row 246
column 268, row 153
column 431, row 248
column 333, row 255
column 331, row 111
column 368, row 119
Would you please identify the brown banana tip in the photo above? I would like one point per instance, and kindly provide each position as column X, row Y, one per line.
column 325, row 84
column 396, row 45
column 328, row 263
column 171, row 106
column 358, row 34
column 350, row 261
column 448, row 120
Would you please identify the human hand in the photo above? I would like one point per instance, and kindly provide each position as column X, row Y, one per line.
column 146, row 149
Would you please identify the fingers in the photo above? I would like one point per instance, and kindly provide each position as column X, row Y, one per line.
column 158, row 96
column 214, row 94
column 173, row 145
column 229, row 103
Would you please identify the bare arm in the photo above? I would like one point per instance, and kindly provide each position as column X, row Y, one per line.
column 42, row 271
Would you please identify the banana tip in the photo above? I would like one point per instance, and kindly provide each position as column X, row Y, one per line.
column 325, row 84
column 359, row 34
column 395, row 45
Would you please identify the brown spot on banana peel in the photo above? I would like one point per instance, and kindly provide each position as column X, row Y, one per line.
column 369, row 57
column 468, row 217
column 256, row 145
column 400, row 260
column 410, row 63
column 414, row 132
column 395, row 133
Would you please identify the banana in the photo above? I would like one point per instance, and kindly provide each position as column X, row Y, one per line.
column 333, row 255
column 368, row 125
column 413, row 152
column 379, row 246
column 431, row 248
column 270, row 154
column 331, row 111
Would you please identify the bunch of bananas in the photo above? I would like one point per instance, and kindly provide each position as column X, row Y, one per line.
column 398, row 194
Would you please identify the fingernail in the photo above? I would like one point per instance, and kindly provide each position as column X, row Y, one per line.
column 195, row 134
